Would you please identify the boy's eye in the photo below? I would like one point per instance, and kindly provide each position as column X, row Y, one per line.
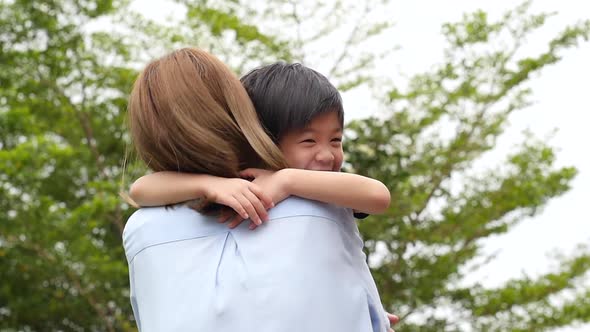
column 337, row 139
column 309, row 140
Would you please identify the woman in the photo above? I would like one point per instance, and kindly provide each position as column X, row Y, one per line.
column 302, row 272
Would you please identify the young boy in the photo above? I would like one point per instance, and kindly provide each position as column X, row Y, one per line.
column 302, row 112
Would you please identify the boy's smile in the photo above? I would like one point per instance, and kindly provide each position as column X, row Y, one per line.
column 316, row 147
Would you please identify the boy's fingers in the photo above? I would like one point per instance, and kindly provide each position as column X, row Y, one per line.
column 257, row 204
column 245, row 173
column 247, row 205
column 393, row 319
column 235, row 221
column 224, row 215
column 235, row 205
column 249, row 173
column 266, row 199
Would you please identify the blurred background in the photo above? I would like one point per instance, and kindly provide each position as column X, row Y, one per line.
column 474, row 113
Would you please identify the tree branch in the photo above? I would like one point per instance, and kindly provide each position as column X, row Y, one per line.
column 349, row 41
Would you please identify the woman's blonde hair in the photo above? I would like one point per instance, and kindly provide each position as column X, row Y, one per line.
column 188, row 112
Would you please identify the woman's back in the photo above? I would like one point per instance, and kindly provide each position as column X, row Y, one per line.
column 299, row 272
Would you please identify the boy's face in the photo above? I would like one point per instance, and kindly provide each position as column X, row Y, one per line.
column 316, row 147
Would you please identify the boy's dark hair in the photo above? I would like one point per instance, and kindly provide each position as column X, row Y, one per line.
column 288, row 96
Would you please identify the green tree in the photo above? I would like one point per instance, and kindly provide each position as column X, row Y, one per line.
column 61, row 120
column 64, row 81
column 434, row 231
column 63, row 93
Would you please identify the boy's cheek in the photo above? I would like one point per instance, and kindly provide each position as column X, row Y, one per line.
column 338, row 163
column 337, row 167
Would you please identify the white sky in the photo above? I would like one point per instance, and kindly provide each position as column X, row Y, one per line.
column 561, row 103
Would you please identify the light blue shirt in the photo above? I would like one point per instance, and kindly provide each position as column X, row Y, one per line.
column 303, row 270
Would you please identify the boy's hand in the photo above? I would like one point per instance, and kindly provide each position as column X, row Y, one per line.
column 247, row 199
column 271, row 183
column 393, row 319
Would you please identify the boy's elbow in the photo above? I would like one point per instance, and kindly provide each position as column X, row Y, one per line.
column 382, row 200
column 133, row 190
column 135, row 193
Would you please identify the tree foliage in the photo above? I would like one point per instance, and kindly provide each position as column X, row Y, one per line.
column 64, row 81
column 442, row 209
column 63, row 94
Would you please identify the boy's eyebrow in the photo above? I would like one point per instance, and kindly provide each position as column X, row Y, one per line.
column 312, row 130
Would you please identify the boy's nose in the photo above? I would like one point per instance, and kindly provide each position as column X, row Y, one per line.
column 324, row 156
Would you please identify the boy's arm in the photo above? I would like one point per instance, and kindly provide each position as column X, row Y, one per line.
column 163, row 188
column 354, row 191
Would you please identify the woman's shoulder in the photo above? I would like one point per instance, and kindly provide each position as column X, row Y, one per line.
column 156, row 225
column 155, row 214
